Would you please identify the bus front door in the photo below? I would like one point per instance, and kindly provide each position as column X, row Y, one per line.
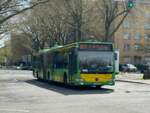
column 72, row 66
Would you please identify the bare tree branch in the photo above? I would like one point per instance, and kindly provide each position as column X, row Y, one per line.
column 20, row 11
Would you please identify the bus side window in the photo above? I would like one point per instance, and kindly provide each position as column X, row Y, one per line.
column 115, row 56
column 41, row 63
column 49, row 60
column 60, row 61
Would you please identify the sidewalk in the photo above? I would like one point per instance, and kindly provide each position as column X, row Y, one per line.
column 132, row 77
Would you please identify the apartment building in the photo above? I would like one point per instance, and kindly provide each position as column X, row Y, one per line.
column 133, row 37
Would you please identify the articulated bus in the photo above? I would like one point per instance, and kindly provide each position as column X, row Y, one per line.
column 77, row 64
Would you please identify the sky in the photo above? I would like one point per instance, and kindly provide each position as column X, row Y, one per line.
column 25, row 3
column 5, row 37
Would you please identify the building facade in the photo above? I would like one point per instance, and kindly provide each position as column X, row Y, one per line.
column 133, row 37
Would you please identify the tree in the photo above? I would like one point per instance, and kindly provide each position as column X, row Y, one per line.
column 112, row 14
column 11, row 8
column 5, row 54
column 18, row 51
column 45, row 27
column 79, row 15
column 100, row 18
column 75, row 14
column 71, row 21
column 62, row 24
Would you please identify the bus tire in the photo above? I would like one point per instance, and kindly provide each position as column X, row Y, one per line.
column 65, row 79
column 99, row 86
column 49, row 76
column 37, row 75
column 33, row 72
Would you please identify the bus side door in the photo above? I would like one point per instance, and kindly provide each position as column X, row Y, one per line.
column 72, row 66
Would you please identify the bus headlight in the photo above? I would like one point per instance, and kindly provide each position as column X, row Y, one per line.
column 81, row 83
column 79, row 80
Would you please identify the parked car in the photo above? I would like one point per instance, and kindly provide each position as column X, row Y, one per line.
column 128, row 68
column 147, row 67
column 143, row 67
column 26, row 68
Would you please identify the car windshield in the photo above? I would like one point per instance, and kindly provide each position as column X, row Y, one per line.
column 96, row 61
column 131, row 66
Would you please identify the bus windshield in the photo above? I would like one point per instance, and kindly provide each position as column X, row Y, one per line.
column 96, row 61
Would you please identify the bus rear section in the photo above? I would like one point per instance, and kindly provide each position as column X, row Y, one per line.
column 96, row 66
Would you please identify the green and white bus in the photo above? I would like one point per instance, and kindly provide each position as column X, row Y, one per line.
column 80, row 63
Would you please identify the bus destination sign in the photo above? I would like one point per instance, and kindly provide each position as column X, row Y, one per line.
column 96, row 47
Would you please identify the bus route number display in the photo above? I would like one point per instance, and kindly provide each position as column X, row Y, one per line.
column 96, row 47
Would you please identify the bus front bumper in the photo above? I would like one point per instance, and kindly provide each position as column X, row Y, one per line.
column 81, row 82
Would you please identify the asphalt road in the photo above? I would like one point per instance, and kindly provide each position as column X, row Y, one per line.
column 21, row 93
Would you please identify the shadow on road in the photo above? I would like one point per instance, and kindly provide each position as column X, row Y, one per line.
column 69, row 90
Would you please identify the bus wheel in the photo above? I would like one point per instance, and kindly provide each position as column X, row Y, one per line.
column 37, row 74
column 49, row 76
column 99, row 87
column 33, row 72
column 65, row 79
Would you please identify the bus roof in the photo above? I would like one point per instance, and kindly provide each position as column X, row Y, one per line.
column 55, row 48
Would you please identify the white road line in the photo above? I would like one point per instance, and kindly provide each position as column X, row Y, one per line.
column 15, row 110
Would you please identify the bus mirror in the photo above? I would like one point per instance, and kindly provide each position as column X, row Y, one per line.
column 115, row 56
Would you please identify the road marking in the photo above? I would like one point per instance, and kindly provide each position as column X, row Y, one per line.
column 15, row 110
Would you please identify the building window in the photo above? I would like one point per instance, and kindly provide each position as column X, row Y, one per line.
column 147, row 47
column 137, row 47
column 147, row 36
column 126, row 24
column 146, row 59
column 138, row 36
column 147, row 26
column 126, row 36
column 127, row 47
column 137, row 59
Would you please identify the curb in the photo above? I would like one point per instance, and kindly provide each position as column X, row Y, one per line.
column 135, row 82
